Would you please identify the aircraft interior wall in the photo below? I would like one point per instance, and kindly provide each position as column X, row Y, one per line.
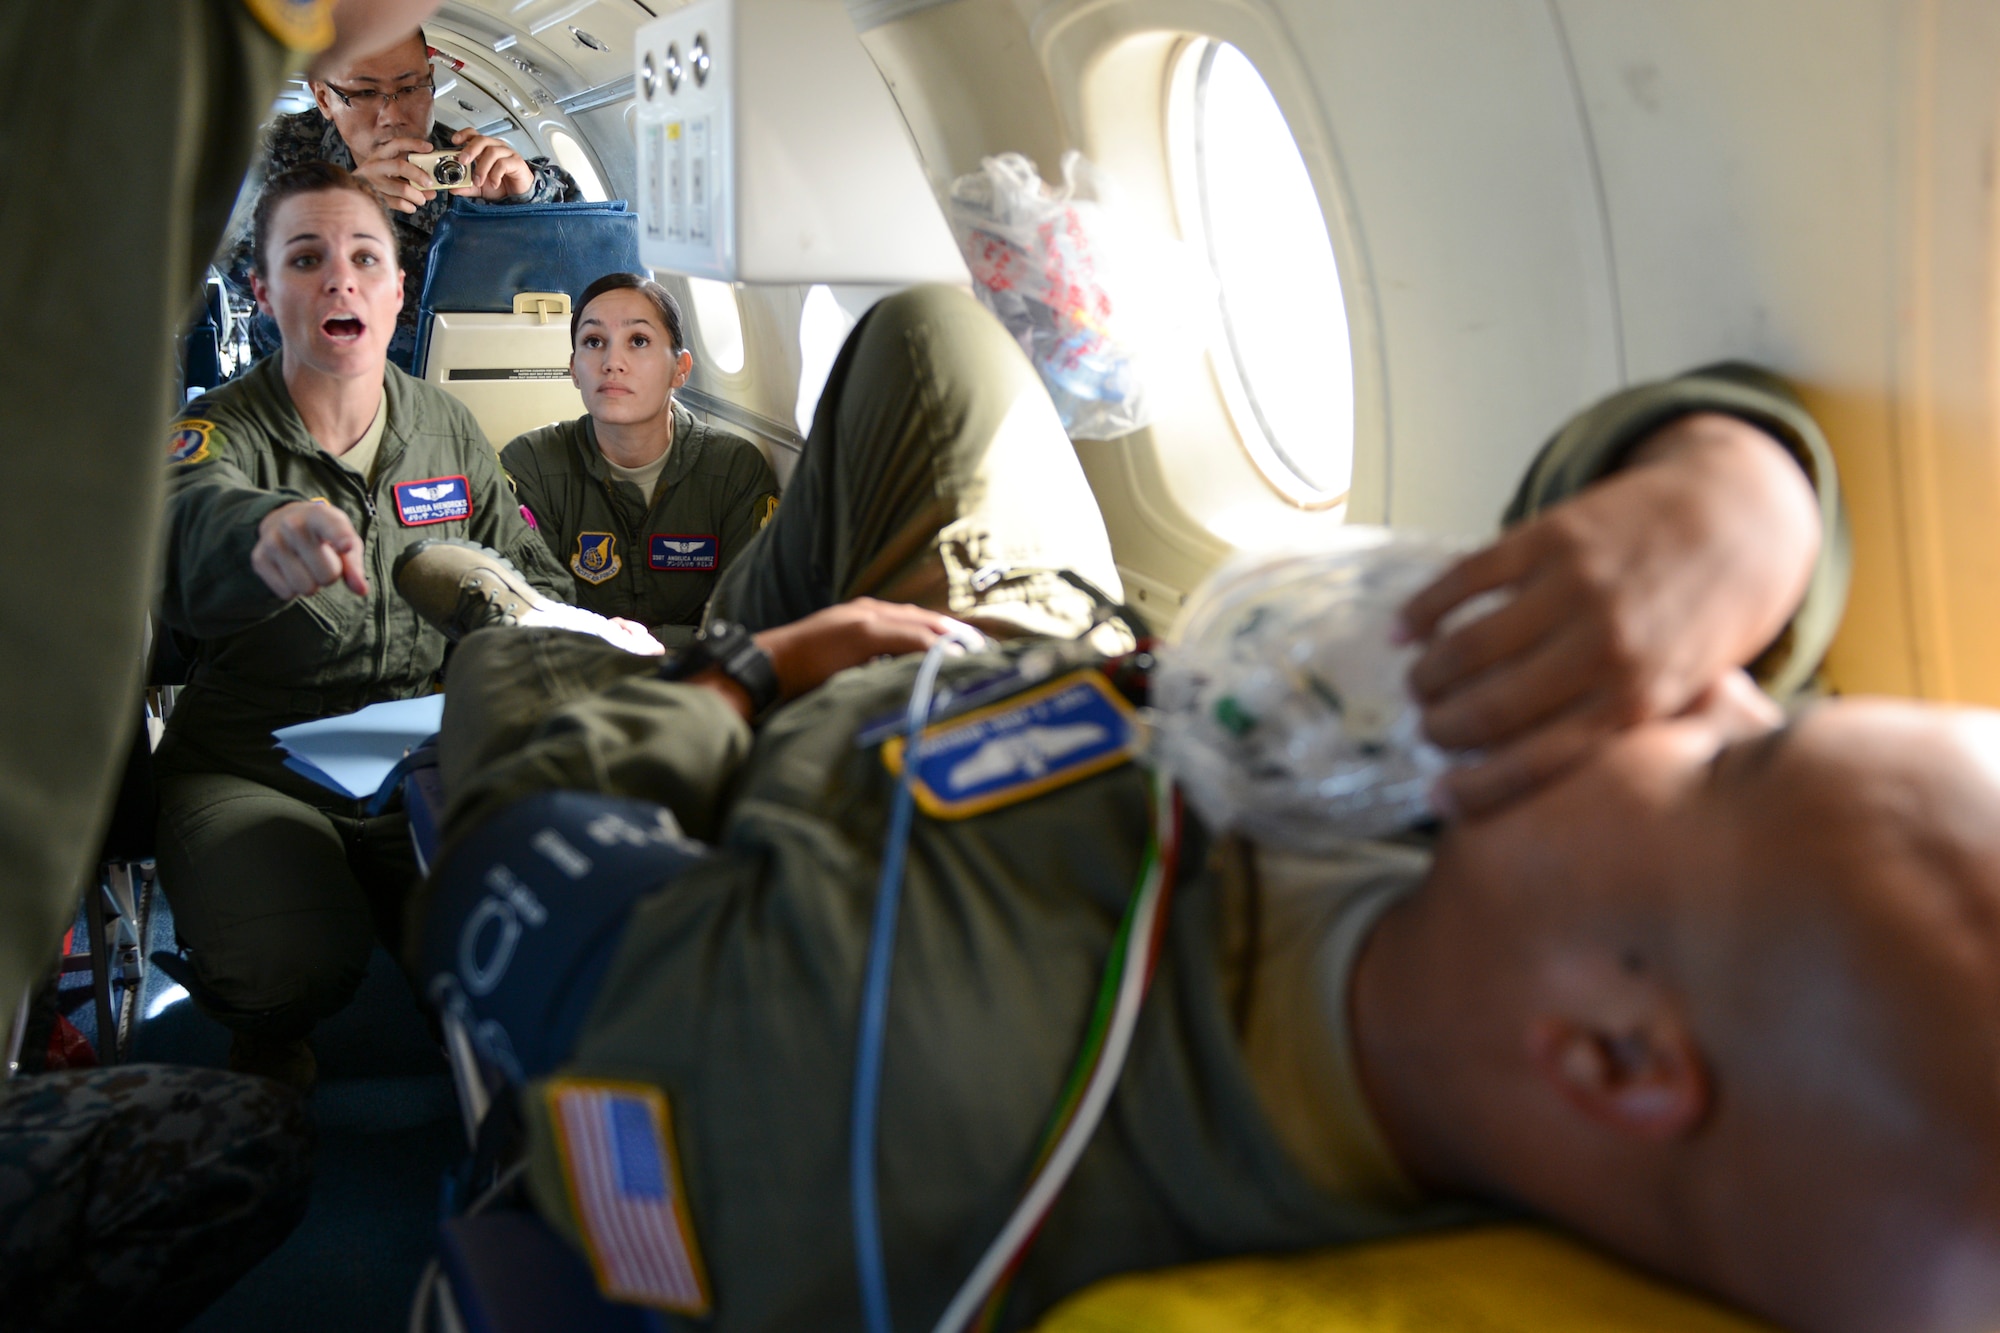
column 1530, row 203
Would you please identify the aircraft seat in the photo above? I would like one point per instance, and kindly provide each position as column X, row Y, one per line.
column 493, row 320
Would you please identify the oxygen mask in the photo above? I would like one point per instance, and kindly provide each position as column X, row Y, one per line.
column 1282, row 706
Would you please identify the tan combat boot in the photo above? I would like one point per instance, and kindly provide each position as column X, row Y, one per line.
column 460, row 586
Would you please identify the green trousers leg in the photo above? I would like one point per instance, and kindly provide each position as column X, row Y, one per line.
column 937, row 473
column 278, row 902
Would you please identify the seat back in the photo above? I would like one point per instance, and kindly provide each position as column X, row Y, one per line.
column 483, row 335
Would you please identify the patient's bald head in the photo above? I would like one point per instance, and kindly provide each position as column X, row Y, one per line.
column 1731, row 1004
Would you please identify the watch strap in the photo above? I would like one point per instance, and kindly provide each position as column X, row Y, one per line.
column 731, row 649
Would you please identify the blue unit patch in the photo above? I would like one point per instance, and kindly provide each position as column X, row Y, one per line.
column 1032, row 743
column 433, row 500
column 596, row 557
column 674, row 551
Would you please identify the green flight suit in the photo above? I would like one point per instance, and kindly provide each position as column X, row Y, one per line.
column 1594, row 443
column 106, row 227
column 735, row 989
column 278, row 886
column 653, row 560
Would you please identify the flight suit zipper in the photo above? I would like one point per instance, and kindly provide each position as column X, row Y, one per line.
column 634, row 543
column 373, row 548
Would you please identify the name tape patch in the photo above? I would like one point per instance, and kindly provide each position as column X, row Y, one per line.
column 433, row 500
column 1035, row 742
column 596, row 557
column 187, row 441
column 680, row 550
column 616, row 1144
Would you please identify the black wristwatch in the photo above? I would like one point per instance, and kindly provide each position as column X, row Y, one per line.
column 728, row 647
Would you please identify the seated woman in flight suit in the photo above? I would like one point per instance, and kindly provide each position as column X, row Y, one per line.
column 645, row 505
column 292, row 491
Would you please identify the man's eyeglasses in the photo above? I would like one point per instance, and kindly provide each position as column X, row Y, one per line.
column 367, row 99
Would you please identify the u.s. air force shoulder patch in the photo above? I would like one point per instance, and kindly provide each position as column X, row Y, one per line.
column 187, row 440
column 1035, row 742
column 596, row 557
column 302, row 25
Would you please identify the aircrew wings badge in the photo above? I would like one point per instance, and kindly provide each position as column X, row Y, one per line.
column 616, row 1143
column 188, row 441
column 596, row 557
column 1034, row 742
column 302, row 25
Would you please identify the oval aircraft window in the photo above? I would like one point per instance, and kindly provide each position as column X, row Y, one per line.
column 571, row 158
column 1245, row 197
column 717, row 323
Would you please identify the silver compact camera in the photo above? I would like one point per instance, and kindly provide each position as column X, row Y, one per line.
column 444, row 169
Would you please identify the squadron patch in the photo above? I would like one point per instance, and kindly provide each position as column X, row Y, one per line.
column 302, row 25
column 433, row 500
column 616, row 1144
column 1034, row 742
column 596, row 557
column 674, row 551
column 189, row 441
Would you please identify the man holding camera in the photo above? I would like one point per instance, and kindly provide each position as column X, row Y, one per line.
column 376, row 118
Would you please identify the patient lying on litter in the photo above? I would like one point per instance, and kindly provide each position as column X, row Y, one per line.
column 1719, row 993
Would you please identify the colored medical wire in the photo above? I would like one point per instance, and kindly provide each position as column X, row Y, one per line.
column 1128, row 972
column 875, row 1001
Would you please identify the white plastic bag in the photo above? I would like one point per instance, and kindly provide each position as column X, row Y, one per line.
column 1042, row 260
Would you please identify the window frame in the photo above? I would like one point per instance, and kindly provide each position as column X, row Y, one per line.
column 1187, row 156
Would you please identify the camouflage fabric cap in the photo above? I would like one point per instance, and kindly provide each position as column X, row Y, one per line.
column 138, row 1194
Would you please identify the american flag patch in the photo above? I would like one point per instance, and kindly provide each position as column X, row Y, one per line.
column 616, row 1142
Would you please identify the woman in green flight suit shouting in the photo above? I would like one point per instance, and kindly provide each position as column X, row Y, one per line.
column 643, row 504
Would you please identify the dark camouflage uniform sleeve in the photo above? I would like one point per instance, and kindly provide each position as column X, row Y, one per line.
column 132, row 1197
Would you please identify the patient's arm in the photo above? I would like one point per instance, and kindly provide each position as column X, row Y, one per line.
column 807, row 652
column 1626, row 602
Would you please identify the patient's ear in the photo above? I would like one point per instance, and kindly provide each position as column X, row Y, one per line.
column 1645, row 1079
